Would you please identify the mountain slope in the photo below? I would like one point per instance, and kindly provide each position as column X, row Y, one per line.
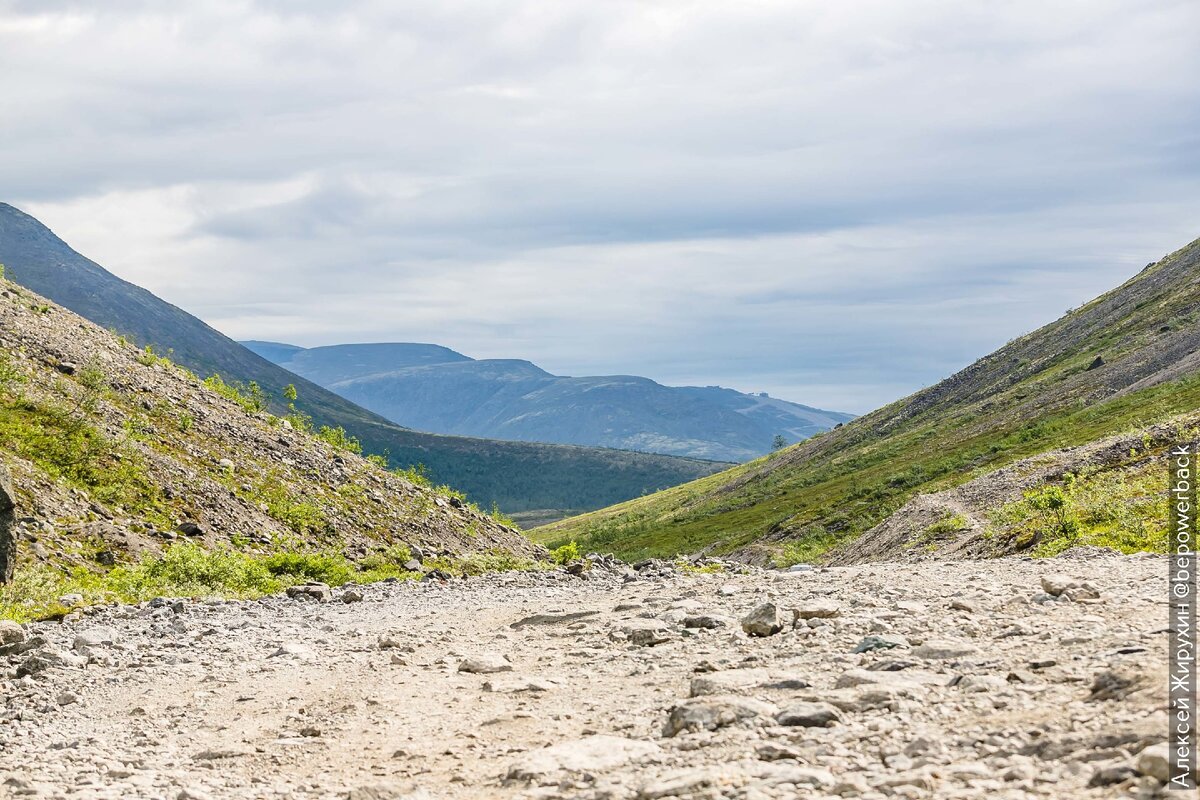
column 436, row 389
column 114, row 455
column 517, row 476
column 1125, row 360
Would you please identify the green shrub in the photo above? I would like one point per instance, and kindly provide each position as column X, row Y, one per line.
column 301, row 516
column 249, row 396
column 11, row 377
column 483, row 563
column 189, row 569
column 149, row 358
column 331, row 568
column 339, row 439
column 949, row 523
column 1122, row 508
column 502, row 518
column 566, row 554
column 416, row 475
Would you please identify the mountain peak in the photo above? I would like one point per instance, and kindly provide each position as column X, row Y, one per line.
column 434, row 388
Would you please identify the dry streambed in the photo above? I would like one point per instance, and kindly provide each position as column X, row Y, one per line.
column 1006, row 679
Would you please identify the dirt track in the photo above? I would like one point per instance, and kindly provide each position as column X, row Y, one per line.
column 298, row 699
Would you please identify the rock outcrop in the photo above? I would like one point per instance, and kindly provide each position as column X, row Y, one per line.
column 8, row 526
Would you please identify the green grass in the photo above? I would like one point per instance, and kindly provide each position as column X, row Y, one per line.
column 839, row 492
column 339, row 439
column 56, row 435
column 189, row 570
column 302, row 516
column 1126, row 509
column 249, row 396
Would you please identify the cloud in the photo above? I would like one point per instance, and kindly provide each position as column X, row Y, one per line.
column 837, row 203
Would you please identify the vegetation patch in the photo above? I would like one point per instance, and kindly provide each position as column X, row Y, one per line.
column 188, row 570
column 56, row 435
column 1125, row 509
column 249, row 396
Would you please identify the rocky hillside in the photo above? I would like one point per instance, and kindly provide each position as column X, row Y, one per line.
column 437, row 389
column 115, row 453
column 1124, row 361
column 518, row 476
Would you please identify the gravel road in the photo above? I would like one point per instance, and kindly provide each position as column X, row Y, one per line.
column 1006, row 679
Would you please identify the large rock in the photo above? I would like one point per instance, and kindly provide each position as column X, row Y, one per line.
column 1155, row 761
column 818, row 609
column 907, row 678
column 487, row 664
column 48, row 658
column 645, row 632
column 765, row 620
column 8, row 526
column 808, row 715
column 942, row 649
column 718, row 711
column 312, row 590
column 11, row 632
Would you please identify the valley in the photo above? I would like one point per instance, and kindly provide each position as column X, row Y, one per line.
column 517, row 476
column 452, row 401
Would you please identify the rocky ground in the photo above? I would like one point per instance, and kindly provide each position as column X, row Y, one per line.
column 1005, row 679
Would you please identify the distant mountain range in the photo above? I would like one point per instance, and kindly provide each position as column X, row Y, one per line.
column 518, row 476
column 1059, row 438
column 434, row 388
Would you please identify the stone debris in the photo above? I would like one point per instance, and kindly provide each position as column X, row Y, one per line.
column 623, row 682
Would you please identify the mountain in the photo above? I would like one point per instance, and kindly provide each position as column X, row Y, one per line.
column 114, row 455
column 1126, row 365
column 437, row 389
column 518, row 476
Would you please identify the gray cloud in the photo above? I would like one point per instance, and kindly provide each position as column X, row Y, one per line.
column 837, row 203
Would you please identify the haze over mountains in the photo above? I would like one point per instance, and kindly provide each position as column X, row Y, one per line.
column 518, row 476
column 434, row 388
column 1125, row 365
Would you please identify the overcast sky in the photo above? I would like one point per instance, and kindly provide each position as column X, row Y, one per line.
column 835, row 202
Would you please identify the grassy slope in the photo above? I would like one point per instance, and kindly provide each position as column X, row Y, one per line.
column 519, row 476
column 1035, row 394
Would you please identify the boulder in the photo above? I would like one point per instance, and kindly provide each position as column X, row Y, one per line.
column 11, row 632
column 311, row 591
column 942, row 649
column 1155, row 762
column 8, row 526
column 765, row 620
column 48, row 658
column 728, row 681
column 645, row 632
column 717, row 711
column 1071, row 588
column 817, row 609
column 808, row 715
column 487, row 664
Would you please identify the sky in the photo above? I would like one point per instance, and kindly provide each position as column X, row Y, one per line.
column 834, row 202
